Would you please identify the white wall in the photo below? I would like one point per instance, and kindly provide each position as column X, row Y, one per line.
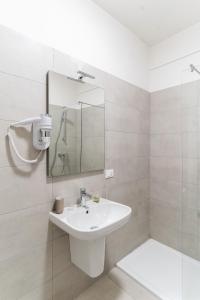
column 170, row 60
column 82, row 30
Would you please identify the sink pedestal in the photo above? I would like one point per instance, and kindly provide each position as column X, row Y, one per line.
column 88, row 230
column 88, row 255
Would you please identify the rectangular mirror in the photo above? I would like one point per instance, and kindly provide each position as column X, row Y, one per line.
column 78, row 136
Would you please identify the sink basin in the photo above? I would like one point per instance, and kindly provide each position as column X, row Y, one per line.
column 87, row 228
column 98, row 220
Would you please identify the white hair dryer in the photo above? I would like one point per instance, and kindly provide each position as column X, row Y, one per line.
column 42, row 127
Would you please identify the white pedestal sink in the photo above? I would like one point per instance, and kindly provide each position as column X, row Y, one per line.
column 88, row 228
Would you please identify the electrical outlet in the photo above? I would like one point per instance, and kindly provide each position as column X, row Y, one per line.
column 109, row 173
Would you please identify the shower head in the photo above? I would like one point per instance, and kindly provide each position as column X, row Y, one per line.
column 194, row 69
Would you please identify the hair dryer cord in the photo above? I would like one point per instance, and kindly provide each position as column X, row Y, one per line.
column 19, row 155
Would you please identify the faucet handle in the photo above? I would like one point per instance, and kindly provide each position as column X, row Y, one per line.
column 82, row 191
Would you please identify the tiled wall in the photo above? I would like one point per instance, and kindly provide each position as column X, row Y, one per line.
column 34, row 255
column 175, row 153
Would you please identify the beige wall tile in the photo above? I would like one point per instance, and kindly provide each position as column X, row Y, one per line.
column 190, row 196
column 166, row 99
column 104, row 289
column 166, row 235
column 23, row 187
column 20, row 274
column 165, row 215
column 123, row 93
column 62, row 287
column 129, row 192
column 166, row 192
column 191, row 145
column 190, row 119
column 167, row 145
column 43, row 292
column 120, row 144
column 127, row 169
column 130, row 236
column 189, row 221
column 166, row 169
column 122, row 118
column 61, row 254
column 120, row 92
column 70, row 283
column 167, row 121
column 143, row 100
column 23, row 230
column 189, row 245
column 191, row 168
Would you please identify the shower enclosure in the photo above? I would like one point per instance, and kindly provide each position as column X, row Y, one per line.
column 190, row 181
column 175, row 186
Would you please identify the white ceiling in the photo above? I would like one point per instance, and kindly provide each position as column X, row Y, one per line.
column 153, row 20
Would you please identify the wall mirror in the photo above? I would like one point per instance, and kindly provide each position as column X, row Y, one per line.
column 78, row 137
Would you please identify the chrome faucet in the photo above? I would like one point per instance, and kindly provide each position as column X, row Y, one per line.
column 84, row 197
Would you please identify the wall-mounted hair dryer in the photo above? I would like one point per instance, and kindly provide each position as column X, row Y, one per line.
column 41, row 128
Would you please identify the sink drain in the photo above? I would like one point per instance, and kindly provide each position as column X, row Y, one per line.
column 93, row 227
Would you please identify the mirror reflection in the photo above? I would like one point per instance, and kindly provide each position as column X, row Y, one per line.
column 78, row 113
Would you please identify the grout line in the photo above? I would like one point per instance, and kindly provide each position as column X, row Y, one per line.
column 127, row 105
column 16, row 166
column 36, row 287
column 127, row 132
column 22, row 77
column 26, row 208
